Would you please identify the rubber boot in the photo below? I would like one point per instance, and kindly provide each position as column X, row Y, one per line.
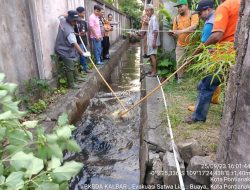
column 70, row 79
column 216, row 96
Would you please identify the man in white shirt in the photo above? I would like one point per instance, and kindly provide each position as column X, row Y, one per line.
column 153, row 40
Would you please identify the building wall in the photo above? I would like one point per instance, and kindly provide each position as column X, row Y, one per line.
column 168, row 42
column 29, row 29
column 17, row 56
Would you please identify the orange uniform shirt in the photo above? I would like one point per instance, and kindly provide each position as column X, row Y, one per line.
column 226, row 19
column 184, row 22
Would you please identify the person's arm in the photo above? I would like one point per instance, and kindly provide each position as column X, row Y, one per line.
column 72, row 40
column 194, row 24
column 114, row 23
column 155, row 32
column 155, row 38
column 214, row 38
column 78, row 48
column 87, row 34
column 171, row 32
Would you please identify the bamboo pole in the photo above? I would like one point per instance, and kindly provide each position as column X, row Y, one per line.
column 154, row 90
column 102, row 76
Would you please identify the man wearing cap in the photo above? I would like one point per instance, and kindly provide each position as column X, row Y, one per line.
column 81, row 30
column 184, row 24
column 95, row 33
column 67, row 47
column 224, row 28
column 206, row 12
column 153, row 39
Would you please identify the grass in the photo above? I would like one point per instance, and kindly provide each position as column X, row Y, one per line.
column 179, row 97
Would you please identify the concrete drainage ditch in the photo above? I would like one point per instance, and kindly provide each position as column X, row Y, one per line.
column 132, row 154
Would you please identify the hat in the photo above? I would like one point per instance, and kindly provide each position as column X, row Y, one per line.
column 73, row 15
column 181, row 2
column 204, row 4
column 80, row 9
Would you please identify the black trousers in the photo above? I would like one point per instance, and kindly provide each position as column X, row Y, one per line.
column 105, row 46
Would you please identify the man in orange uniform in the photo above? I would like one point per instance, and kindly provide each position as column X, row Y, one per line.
column 226, row 18
column 184, row 24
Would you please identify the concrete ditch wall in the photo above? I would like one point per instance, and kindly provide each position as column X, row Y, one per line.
column 75, row 102
column 28, row 33
column 157, row 163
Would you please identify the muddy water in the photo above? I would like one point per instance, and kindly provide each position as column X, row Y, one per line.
column 110, row 146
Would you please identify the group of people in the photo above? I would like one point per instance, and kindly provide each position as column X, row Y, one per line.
column 74, row 37
column 219, row 27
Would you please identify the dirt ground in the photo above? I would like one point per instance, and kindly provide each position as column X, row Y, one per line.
column 179, row 97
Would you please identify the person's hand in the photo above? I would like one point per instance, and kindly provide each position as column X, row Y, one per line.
column 171, row 33
column 154, row 45
column 177, row 32
column 98, row 38
column 82, row 33
column 86, row 54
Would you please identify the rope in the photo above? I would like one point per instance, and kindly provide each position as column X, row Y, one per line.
column 172, row 140
column 135, row 30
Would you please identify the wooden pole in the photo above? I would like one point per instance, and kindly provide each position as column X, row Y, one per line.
column 154, row 90
column 102, row 76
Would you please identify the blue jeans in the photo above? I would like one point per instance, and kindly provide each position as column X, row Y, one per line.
column 97, row 44
column 206, row 90
column 83, row 60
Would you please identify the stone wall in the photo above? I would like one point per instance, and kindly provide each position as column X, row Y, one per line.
column 29, row 29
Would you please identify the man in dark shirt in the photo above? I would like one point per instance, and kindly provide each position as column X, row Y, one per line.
column 67, row 47
column 81, row 29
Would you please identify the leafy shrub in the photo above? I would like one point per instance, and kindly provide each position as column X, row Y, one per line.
column 166, row 63
column 33, row 160
column 38, row 107
column 215, row 60
column 60, row 72
column 37, row 89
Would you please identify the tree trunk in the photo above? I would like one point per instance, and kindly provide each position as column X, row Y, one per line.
column 234, row 147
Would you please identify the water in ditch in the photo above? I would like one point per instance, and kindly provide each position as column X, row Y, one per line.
column 110, row 146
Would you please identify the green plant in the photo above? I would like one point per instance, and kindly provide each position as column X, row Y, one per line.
column 215, row 60
column 37, row 88
column 33, row 90
column 133, row 9
column 214, row 147
column 60, row 72
column 166, row 63
column 110, row 1
column 33, row 160
column 38, row 107
column 166, row 15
